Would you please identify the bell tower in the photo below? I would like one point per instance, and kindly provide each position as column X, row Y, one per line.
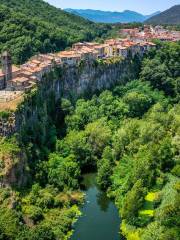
column 6, row 63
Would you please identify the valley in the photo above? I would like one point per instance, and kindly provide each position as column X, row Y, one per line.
column 89, row 127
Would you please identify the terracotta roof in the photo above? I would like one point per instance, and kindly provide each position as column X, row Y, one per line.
column 20, row 79
column 101, row 46
column 91, row 44
column 1, row 73
column 15, row 69
column 26, row 73
column 47, row 56
column 86, row 49
column 36, row 61
column 121, row 47
column 35, row 70
column 44, row 65
column 69, row 53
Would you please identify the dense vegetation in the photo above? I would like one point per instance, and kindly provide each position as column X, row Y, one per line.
column 129, row 135
column 29, row 27
column 170, row 16
column 132, row 138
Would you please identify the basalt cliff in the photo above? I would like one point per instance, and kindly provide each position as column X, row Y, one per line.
column 40, row 109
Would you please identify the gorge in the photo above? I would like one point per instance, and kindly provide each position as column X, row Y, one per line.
column 72, row 81
column 70, row 125
column 89, row 131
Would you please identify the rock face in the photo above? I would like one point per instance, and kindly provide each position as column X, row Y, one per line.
column 13, row 164
column 7, row 125
column 31, row 121
column 14, row 174
column 91, row 78
column 71, row 82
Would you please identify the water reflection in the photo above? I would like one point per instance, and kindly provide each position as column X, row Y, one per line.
column 100, row 220
column 103, row 201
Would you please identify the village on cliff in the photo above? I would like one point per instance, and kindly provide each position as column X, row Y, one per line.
column 14, row 81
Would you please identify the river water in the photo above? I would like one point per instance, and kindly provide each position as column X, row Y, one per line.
column 99, row 220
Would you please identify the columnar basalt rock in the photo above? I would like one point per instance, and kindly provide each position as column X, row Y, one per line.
column 70, row 81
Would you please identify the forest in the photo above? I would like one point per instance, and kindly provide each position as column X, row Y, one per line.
column 129, row 135
column 31, row 27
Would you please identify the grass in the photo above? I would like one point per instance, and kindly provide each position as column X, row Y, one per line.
column 149, row 213
column 151, row 196
column 11, row 105
column 129, row 231
column 148, row 208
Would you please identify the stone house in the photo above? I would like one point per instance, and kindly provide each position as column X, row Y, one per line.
column 122, row 51
column 69, row 57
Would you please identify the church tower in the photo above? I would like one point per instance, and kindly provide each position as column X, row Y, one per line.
column 6, row 63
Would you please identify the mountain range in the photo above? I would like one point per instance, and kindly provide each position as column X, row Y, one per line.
column 170, row 16
column 126, row 16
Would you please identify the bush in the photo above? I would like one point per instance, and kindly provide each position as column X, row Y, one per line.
column 33, row 212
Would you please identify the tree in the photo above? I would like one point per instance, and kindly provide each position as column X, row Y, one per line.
column 133, row 202
column 104, row 174
column 33, row 212
column 63, row 172
column 153, row 232
column 30, row 27
column 105, row 169
column 66, row 106
column 42, row 233
column 9, row 223
column 76, row 143
column 98, row 136
column 162, row 69
column 138, row 103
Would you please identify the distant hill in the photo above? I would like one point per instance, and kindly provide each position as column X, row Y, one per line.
column 31, row 26
column 110, row 17
column 170, row 16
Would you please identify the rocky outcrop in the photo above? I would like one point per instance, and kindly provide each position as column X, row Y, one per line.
column 70, row 82
column 15, row 175
column 92, row 77
column 8, row 125
column 13, row 166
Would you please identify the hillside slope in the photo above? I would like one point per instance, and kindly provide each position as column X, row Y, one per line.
column 110, row 17
column 28, row 27
column 170, row 16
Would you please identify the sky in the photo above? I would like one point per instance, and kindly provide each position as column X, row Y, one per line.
column 142, row 6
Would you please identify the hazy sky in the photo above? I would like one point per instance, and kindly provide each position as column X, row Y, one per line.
column 142, row 6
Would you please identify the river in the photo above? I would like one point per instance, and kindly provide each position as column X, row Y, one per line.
column 99, row 220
